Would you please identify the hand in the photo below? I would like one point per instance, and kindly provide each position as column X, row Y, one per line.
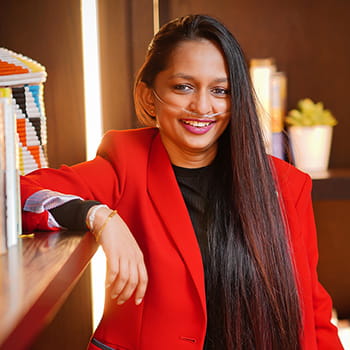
column 126, row 271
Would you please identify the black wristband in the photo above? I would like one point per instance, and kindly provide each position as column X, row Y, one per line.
column 72, row 214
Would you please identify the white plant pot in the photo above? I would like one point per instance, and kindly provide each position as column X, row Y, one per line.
column 311, row 146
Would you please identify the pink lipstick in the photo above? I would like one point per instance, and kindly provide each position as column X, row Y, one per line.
column 196, row 126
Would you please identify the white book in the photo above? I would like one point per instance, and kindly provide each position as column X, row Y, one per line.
column 13, row 204
column 3, row 244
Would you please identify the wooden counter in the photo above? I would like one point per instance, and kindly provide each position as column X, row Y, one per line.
column 35, row 279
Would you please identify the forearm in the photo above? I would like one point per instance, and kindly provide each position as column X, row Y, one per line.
column 72, row 215
column 45, row 189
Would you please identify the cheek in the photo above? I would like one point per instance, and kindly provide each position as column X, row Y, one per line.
column 167, row 113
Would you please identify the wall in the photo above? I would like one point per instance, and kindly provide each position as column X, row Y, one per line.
column 50, row 33
column 126, row 27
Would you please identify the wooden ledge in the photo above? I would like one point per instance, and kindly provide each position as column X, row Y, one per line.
column 35, row 279
column 333, row 184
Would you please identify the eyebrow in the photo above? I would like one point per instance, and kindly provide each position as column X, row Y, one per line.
column 190, row 77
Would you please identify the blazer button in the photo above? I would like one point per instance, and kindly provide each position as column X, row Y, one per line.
column 188, row 339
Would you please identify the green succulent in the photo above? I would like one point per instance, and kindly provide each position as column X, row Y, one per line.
column 310, row 114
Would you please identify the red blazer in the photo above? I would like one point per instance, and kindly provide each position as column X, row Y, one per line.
column 132, row 173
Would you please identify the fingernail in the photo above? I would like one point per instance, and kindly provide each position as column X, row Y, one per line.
column 120, row 302
column 107, row 285
column 113, row 296
column 138, row 301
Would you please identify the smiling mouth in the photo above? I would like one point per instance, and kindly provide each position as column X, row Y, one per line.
column 198, row 123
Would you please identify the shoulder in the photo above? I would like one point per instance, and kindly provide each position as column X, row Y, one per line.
column 292, row 182
column 127, row 151
column 132, row 136
column 126, row 142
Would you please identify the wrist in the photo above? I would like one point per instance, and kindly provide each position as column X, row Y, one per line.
column 91, row 216
column 101, row 216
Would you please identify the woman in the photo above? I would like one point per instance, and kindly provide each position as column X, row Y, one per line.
column 213, row 244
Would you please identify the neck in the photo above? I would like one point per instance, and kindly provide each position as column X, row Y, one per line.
column 189, row 158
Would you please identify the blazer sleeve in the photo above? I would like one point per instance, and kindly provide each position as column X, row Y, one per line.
column 326, row 333
column 95, row 179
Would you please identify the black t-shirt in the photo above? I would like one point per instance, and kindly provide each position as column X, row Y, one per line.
column 194, row 185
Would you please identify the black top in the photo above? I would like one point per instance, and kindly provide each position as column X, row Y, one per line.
column 194, row 185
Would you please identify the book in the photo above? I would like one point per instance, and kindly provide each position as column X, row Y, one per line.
column 25, row 77
column 261, row 71
column 278, row 112
column 12, row 192
column 3, row 243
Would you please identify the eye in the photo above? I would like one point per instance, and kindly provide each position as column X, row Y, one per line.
column 220, row 91
column 183, row 88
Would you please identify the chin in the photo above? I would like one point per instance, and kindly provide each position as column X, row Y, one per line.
column 200, row 146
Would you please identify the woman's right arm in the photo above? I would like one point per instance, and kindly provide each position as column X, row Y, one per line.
column 93, row 180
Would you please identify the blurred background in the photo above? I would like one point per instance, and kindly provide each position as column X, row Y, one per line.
column 309, row 41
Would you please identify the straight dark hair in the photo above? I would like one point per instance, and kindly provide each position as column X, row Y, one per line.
column 250, row 278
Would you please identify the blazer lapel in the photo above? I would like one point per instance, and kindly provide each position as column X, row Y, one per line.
column 166, row 195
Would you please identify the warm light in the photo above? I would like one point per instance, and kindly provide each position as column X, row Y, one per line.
column 92, row 83
column 98, row 273
column 93, row 125
column 155, row 16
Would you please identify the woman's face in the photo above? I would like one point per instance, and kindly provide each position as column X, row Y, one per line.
column 193, row 87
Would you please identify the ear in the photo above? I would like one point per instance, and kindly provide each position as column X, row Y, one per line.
column 145, row 97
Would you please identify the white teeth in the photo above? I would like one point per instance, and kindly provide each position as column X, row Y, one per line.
column 197, row 124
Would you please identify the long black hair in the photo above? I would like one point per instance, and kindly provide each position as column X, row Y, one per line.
column 250, row 277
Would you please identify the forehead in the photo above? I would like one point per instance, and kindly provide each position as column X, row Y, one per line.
column 200, row 56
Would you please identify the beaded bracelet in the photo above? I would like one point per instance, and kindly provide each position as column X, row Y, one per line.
column 91, row 217
column 98, row 233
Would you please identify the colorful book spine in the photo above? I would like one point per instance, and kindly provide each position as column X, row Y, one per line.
column 26, row 77
column 31, row 127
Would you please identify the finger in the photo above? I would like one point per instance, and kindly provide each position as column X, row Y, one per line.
column 122, row 278
column 142, row 285
column 112, row 271
column 131, row 285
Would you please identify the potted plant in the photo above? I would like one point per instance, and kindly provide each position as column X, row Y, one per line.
column 310, row 128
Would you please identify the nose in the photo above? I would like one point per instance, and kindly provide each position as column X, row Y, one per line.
column 201, row 103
